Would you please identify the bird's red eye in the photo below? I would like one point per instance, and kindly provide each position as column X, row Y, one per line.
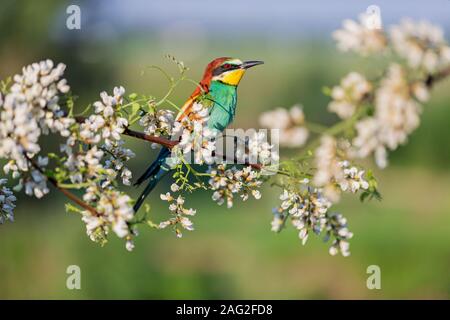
column 227, row 66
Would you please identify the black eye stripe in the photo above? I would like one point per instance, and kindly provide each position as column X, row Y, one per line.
column 225, row 67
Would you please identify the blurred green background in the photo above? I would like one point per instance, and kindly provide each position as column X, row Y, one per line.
column 232, row 253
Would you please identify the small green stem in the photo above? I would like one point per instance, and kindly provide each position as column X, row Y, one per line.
column 315, row 127
column 74, row 185
column 135, row 101
column 195, row 172
column 338, row 128
column 173, row 85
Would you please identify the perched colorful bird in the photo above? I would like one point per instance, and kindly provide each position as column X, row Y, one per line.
column 220, row 81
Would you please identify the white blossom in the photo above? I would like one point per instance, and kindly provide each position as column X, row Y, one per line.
column 30, row 109
column 395, row 109
column 106, row 123
column 293, row 133
column 367, row 141
column 354, row 179
column 397, row 115
column 360, row 37
column 328, row 171
column 194, row 137
column 7, row 202
column 327, row 163
column 226, row 183
column 333, row 174
column 36, row 184
column 256, row 149
column 158, row 123
column 201, row 140
column 84, row 166
column 308, row 209
column 337, row 227
column 118, row 156
column 422, row 44
column 180, row 214
column 348, row 95
column 113, row 211
column 12, row 167
column 129, row 245
column 277, row 221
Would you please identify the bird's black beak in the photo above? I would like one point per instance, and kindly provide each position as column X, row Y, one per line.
column 249, row 64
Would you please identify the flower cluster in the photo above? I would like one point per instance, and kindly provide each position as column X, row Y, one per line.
column 293, row 133
column 397, row 115
column 334, row 174
column 256, row 149
column 31, row 108
column 113, row 210
column 361, row 37
column 180, row 213
column 104, row 159
column 227, row 182
column 35, row 184
column 307, row 210
column 421, row 44
column 85, row 165
column 95, row 159
column 118, row 156
column 158, row 122
column 397, row 100
column 336, row 227
column 106, row 123
column 349, row 94
column 194, row 137
column 7, row 202
column 354, row 179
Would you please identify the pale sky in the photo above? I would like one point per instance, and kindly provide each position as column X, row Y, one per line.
column 258, row 16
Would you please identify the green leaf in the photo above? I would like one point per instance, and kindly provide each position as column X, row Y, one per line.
column 71, row 208
column 135, row 107
column 326, row 91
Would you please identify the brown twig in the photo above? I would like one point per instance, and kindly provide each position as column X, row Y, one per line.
column 140, row 135
column 168, row 143
column 256, row 166
column 67, row 193
column 159, row 140
column 431, row 79
column 74, row 198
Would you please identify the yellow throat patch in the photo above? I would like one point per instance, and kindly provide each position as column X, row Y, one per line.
column 232, row 77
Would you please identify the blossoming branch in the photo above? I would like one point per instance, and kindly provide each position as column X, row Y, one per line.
column 377, row 116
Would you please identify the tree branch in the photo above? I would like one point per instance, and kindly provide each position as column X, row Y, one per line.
column 431, row 79
column 67, row 193
column 140, row 135
column 159, row 140
column 135, row 134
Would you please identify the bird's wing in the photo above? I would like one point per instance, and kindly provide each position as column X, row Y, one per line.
column 186, row 109
column 200, row 90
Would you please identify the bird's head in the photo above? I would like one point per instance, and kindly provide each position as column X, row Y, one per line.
column 228, row 70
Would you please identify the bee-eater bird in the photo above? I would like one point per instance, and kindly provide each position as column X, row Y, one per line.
column 220, row 82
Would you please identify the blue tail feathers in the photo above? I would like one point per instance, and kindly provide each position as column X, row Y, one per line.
column 155, row 172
